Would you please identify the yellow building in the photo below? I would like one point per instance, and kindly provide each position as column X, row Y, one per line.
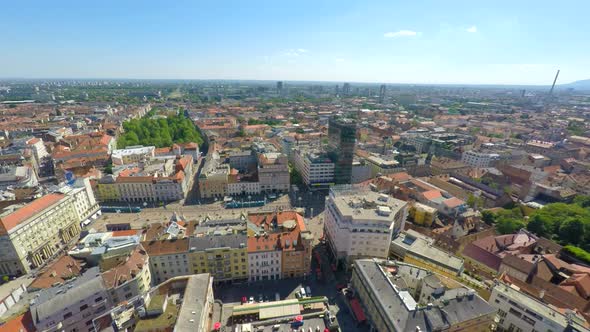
column 225, row 257
column 107, row 190
column 422, row 214
column 31, row 234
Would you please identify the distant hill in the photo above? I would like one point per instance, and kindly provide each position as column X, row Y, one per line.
column 578, row 85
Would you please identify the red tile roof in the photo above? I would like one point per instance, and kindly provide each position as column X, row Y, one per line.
column 453, row 202
column 22, row 323
column 11, row 220
column 126, row 271
column 432, row 194
column 64, row 268
column 165, row 247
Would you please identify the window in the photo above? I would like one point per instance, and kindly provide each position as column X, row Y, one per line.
column 83, row 307
column 89, row 322
column 98, row 299
column 67, row 315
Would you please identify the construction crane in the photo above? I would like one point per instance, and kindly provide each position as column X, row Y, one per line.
column 554, row 81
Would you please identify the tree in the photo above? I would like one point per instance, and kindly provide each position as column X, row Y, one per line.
column 474, row 202
column 571, row 231
column 488, row 217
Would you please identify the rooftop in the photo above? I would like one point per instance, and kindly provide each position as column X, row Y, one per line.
column 9, row 218
column 367, row 205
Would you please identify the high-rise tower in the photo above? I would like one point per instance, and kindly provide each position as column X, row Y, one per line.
column 342, row 141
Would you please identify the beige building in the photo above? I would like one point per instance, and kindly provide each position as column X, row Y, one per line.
column 273, row 172
column 129, row 279
column 214, row 178
column 168, row 258
column 30, row 234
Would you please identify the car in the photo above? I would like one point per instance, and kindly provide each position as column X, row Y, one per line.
column 251, row 300
column 340, row 287
column 260, row 298
column 308, row 291
column 244, row 299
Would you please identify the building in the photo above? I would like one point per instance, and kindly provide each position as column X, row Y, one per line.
column 225, row 257
column 360, row 223
column 316, row 168
column 17, row 177
column 132, row 154
column 479, row 159
column 422, row 214
column 341, row 145
column 381, row 166
column 168, row 258
column 213, row 178
column 417, row 249
column 178, row 304
column 129, row 279
column 401, row 297
column 382, row 93
column 278, row 241
column 31, row 234
column 71, row 306
column 517, row 311
column 160, row 179
column 273, row 172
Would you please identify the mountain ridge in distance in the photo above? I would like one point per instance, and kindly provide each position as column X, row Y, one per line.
column 581, row 84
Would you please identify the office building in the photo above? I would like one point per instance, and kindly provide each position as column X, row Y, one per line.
column 315, row 167
column 273, row 172
column 342, row 140
column 346, row 89
column 360, row 223
column 381, row 93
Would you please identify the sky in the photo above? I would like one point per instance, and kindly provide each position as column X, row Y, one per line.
column 429, row 42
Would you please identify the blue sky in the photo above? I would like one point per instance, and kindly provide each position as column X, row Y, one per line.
column 495, row 42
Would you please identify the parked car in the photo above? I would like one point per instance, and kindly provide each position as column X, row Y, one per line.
column 244, row 299
column 251, row 300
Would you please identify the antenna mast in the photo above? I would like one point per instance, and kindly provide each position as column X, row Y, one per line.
column 554, row 80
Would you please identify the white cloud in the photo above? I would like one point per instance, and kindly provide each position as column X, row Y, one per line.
column 294, row 52
column 401, row 33
column 472, row 29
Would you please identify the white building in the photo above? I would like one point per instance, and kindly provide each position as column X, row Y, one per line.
column 39, row 152
column 264, row 259
column 518, row 311
column 361, row 223
column 316, row 169
column 479, row 159
column 132, row 154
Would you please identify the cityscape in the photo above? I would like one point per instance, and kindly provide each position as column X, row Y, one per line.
column 221, row 180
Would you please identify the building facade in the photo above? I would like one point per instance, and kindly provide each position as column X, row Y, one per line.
column 273, row 172
column 31, row 234
column 361, row 223
column 479, row 159
column 517, row 311
column 342, row 141
column 225, row 257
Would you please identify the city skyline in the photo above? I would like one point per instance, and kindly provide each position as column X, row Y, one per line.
column 451, row 43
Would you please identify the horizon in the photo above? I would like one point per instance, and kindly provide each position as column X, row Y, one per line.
column 432, row 43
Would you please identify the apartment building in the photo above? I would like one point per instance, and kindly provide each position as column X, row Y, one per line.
column 518, row 311
column 71, row 306
column 31, row 234
column 479, row 159
column 129, row 279
column 360, row 223
column 273, row 172
column 225, row 257
column 168, row 258
column 213, row 178
column 278, row 241
column 162, row 179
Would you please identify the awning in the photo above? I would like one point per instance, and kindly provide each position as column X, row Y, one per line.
column 358, row 311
